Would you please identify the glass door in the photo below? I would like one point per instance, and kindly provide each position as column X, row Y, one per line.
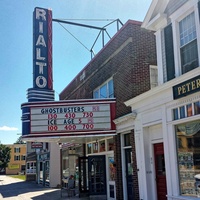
column 83, row 176
column 97, row 175
column 129, row 174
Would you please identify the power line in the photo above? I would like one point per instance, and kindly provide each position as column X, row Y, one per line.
column 74, row 37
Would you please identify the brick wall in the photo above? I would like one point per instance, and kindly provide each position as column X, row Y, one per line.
column 126, row 58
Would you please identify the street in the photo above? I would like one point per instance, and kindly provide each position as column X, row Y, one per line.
column 16, row 189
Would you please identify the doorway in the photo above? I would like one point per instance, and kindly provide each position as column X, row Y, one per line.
column 97, row 175
column 160, row 171
column 129, row 173
column 92, row 179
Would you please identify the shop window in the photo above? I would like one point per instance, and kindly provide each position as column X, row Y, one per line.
column 112, row 169
column 127, row 140
column 175, row 113
column 95, row 147
column 31, row 167
column 110, row 144
column 189, row 110
column 89, row 148
column 197, row 108
column 102, row 145
column 182, row 112
column 188, row 155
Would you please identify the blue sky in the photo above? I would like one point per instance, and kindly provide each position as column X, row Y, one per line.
column 69, row 56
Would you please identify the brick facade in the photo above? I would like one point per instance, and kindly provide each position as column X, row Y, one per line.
column 125, row 58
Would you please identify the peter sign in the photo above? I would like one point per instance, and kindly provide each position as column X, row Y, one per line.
column 71, row 118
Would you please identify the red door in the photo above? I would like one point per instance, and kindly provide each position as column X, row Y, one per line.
column 160, row 171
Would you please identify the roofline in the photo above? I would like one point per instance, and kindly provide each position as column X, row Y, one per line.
column 107, row 44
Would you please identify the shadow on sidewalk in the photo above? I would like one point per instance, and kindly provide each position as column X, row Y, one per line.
column 23, row 187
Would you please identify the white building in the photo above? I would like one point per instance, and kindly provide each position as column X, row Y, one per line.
column 167, row 122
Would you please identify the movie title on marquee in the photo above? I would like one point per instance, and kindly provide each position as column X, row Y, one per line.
column 70, row 118
column 42, row 36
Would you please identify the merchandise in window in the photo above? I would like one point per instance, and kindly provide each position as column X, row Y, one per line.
column 188, row 154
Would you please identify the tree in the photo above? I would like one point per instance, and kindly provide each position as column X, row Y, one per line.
column 4, row 156
column 20, row 141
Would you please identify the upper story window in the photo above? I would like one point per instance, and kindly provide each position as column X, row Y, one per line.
column 188, row 43
column 180, row 44
column 153, row 76
column 104, row 91
column 17, row 149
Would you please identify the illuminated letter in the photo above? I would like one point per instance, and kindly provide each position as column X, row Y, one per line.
column 38, row 54
column 41, row 81
column 40, row 13
column 40, row 27
column 41, row 65
column 40, row 41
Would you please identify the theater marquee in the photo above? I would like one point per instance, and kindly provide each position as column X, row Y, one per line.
column 79, row 117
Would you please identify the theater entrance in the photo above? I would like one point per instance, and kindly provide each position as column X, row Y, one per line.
column 92, row 179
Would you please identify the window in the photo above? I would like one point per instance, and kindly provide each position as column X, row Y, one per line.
column 127, row 140
column 17, row 149
column 23, row 157
column 153, row 76
column 16, row 157
column 188, row 154
column 31, row 167
column 104, row 91
column 188, row 43
column 187, row 110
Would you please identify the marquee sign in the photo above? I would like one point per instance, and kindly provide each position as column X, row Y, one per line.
column 79, row 117
column 42, row 48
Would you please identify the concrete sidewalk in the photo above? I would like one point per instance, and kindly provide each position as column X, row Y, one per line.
column 16, row 189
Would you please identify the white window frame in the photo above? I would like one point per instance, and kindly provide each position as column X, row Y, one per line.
column 176, row 17
column 98, row 89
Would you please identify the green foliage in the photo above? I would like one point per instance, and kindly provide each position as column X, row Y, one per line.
column 20, row 141
column 22, row 177
column 4, row 156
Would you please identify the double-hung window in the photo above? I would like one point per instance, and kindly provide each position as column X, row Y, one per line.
column 104, row 91
column 188, row 43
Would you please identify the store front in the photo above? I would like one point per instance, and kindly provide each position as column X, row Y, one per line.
column 43, row 166
column 94, row 172
column 167, row 130
column 101, row 168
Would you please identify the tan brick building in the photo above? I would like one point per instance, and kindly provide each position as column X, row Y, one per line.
column 18, row 159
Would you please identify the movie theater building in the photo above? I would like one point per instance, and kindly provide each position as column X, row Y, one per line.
column 167, row 122
column 121, row 70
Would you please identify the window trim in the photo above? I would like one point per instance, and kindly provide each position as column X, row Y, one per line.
column 176, row 17
column 98, row 88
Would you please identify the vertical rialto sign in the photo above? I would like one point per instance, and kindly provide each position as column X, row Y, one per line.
column 42, row 49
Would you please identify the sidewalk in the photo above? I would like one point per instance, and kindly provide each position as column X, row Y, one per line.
column 16, row 189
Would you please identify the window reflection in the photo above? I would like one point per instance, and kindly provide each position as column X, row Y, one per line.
column 188, row 157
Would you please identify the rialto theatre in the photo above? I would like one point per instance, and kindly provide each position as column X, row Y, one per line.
column 56, row 131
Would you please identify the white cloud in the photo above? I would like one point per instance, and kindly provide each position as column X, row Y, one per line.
column 6, row 128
